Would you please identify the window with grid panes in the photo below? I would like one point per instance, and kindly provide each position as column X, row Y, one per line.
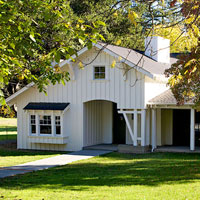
column 99, row 72
column 33, row 124
column 45, row 124
column 57, row 124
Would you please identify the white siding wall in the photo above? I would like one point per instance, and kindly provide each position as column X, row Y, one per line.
column 97, row 122
column 92, row 123
column 154, row 88
column 107, row 122
column 126, row 93
column 164, row 127
column 167, row 126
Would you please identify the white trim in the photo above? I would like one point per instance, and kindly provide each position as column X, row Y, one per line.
column 19, row 92
column 37, row 125
column 115, row 55
column 154, row 133
column 170, row 106
column 135, row 127
column 129, row 111
column 66, row 109
column 101, row 79
column 140, row 69
column 53, row 127
column 71, row 70
column 129, row 126
column 143, row 120
column 148, row 126
column 61, row 125
column 192, row 130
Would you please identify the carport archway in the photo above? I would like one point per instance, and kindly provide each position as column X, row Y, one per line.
column 102, row 123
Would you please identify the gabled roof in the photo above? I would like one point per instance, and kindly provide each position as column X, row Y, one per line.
column 133, row 58
column 165, row 98
column 46, row 106
column 138, row 59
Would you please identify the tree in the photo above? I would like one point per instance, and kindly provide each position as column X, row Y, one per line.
column 179, row 43
column 35, row 33
column 185, row 74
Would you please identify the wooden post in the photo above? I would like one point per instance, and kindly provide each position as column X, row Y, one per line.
column 192, row 130
column 143, row 128
column 148, row 120
column 128, row 126
column 135, row 128
column 154, row 135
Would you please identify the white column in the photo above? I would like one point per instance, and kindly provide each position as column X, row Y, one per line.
column 135, row 123
column 143, row 121
column 192, row 130
column 37, row 124
column 128, row 126
column 148, row 120
column 153, row 132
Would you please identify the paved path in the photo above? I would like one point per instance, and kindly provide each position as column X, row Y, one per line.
column 50, row 162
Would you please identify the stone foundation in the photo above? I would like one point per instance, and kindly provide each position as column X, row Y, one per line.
column 124, row 148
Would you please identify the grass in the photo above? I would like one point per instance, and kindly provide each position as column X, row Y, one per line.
column 8, row 129
column 112, row 177
column 15, row 157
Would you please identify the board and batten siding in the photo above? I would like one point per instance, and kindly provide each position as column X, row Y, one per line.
column 127, row 93
column 98, row 122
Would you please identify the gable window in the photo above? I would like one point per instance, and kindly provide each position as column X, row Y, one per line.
column 57, row 124
column 45, row 124
column 99, row 72
column 33, row 124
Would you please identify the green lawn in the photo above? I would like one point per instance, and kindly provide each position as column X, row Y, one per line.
column 8, row 128
column 114, row 176
column 14, row 157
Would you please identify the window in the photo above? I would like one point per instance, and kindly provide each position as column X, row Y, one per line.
column 57, row 124
column 33, row 124
column 99, row 72
column 45, row 124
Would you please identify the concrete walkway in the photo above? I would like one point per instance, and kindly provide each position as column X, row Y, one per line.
column 50, row 162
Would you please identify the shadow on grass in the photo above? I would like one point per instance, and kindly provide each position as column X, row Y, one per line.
column 4, row 129
column 8, row 133
column 6, row 152
column 8, row 137
column 113, row 170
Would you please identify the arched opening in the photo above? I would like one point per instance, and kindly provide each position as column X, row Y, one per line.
column 103, row 124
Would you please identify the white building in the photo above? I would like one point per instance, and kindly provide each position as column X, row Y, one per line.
column 129, row 104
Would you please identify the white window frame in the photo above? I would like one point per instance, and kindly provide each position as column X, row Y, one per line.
column 53, row 114
column 32, row 124
column 45, row 115
column 57, row 123
column 95, row 66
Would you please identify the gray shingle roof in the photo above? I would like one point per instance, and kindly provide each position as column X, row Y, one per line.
column 166, row 98
column 134, row 57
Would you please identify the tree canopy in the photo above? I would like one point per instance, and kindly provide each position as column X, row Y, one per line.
column 34, row 33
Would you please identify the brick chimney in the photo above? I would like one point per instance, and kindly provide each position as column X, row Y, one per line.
column 158, row 49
